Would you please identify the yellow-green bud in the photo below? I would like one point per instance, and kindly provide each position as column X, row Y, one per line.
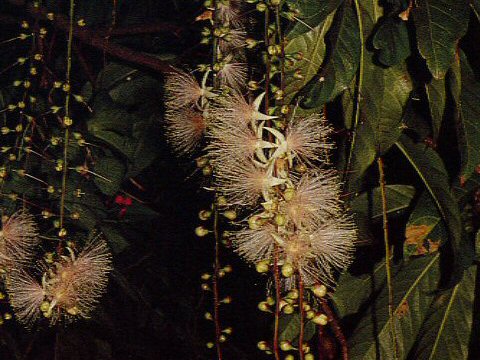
column 270, row 301
column 262, row 345
column 280, row 219
column 200, row 231
column 262, row 266
column 230, row 214
column 204, row 215
column 319, row 290
column 287, row 270
column 210, row 345
column 286, row 345
column 288, row 194
column 320, row 319
column 261, row 6
column 288, row 309
column 208, row 316
column 263, row 306
column 292, row 294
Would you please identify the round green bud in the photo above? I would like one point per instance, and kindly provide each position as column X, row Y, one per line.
column 309, row 356
column 319, row 290
column 320, row 319
column 204, row 215
column 230, row 215
column 262, row 345
column 261, row 6
column 222, row 338
column 210, row 345
column 200, row 231
column 310, row 314
column 207, row 170
column 208, row 316
column 288, row 309
column 280, row 219
column 289, row 357
column 270, row 301
column 286, row 345
column 263, row 306
column 287, row 270
column 292, row 294
column 262, row 266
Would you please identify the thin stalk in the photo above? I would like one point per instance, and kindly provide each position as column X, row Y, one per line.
column 216, row 298
column 276, row 269
column 388, row 265
column 278, row 296
column 337, row 330
column 67, row 115
column 358, row 90
column 216, row 232
column 301, row 336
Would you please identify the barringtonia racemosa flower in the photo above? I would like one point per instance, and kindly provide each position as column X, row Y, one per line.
column 18, row 239
column 185, row 128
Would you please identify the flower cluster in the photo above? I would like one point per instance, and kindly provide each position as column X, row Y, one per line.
column 298, row 216
column 69, row 287
column 269, row 164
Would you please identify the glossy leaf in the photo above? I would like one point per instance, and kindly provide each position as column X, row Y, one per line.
column 439, row 25
column 343, row 48
column 311, row 46
column 312, row 14
column 436, row 93
column 468, row 124
column 415, row 282
column 391, row 41
column 398, row 199
column 445, row 334
column 425, row 230
column 431, row 170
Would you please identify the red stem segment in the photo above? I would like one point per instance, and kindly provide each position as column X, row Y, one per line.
column 337, row 330
column 301, row 292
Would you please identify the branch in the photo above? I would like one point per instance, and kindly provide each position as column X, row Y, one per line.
column 96, row 40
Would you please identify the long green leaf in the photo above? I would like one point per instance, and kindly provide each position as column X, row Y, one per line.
column 468, row 124
column 312, row 14
column 436, row 93
column 431, row 170
column 415, row 282
column 311, row 47
column 439, row 25
column 343, row 47
column 445, row 334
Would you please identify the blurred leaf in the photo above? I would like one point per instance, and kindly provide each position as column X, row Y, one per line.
column 311, row 45
column 112, row 169
column 445, row 334
column 116, row 240
column 313, row 13
column 290, row 329
column 439, row 25
column 391, row 41
column 436, row 93
column 475, row 4
column 343, row 46
column 425, row 229
column 468, row 124
column 415, row 282
column 398, row 199
column 431, row 170
column 354, row 291
column 385, row 95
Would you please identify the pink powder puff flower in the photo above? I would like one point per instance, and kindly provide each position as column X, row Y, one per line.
column 314, row 200
column 306, row 138
column 18, row 239
column 182, row 89
column 316, row 255
column 243, row 183
column 255, row 245
column 234, row 110
column 185, row 128
column 233, row 74
column 26, row 296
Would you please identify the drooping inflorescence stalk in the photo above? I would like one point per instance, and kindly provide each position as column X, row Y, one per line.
column 269, row 162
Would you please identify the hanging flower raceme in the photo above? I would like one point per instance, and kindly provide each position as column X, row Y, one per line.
column 69, row 288
column 18, row 240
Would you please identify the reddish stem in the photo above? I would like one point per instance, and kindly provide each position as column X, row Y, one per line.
column 337, row 330
column 278, row 297
column 301, row 336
